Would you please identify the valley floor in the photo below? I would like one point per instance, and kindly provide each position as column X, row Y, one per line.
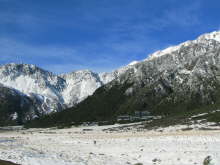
column 110, row 145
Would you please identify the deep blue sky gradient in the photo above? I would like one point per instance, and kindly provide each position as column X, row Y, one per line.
column 100, row 35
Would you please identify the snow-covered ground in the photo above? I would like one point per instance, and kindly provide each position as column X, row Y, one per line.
column 110, row 145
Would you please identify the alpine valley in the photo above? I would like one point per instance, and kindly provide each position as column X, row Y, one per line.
column 173, row 83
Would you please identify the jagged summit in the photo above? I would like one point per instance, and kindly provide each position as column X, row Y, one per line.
column 211, row 36
column 208, row 36
column 24, row 68
column 133, row 62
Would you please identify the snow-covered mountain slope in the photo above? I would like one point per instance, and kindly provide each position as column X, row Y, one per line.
column 31, row 79
column 79, row 85
column 188, row 69
column 107, row 77
column 201, row 39
column 55, row 92
column 40, row 85
column 210, row 36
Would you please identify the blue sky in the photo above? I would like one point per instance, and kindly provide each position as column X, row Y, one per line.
column 100, row 35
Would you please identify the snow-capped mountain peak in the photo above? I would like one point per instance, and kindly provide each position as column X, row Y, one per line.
column 133, row 62
column 211, row 36
column 42, row 86
column 160, row 53
column 169, row 50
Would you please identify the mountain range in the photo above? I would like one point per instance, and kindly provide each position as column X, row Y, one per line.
column 47, row 92
column 181, row 79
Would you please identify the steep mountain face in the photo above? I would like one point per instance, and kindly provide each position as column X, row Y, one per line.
column 42, row 86
column 79, row 85
column 176, row 80
column 186, row 75
column 107, row 77
column 15, row 108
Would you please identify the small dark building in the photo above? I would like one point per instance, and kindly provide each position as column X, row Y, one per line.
column 124, row 118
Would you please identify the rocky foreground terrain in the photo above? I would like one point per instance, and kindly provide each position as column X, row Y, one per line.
column 128, row 144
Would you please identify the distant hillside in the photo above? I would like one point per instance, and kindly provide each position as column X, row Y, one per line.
column 15, row 108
